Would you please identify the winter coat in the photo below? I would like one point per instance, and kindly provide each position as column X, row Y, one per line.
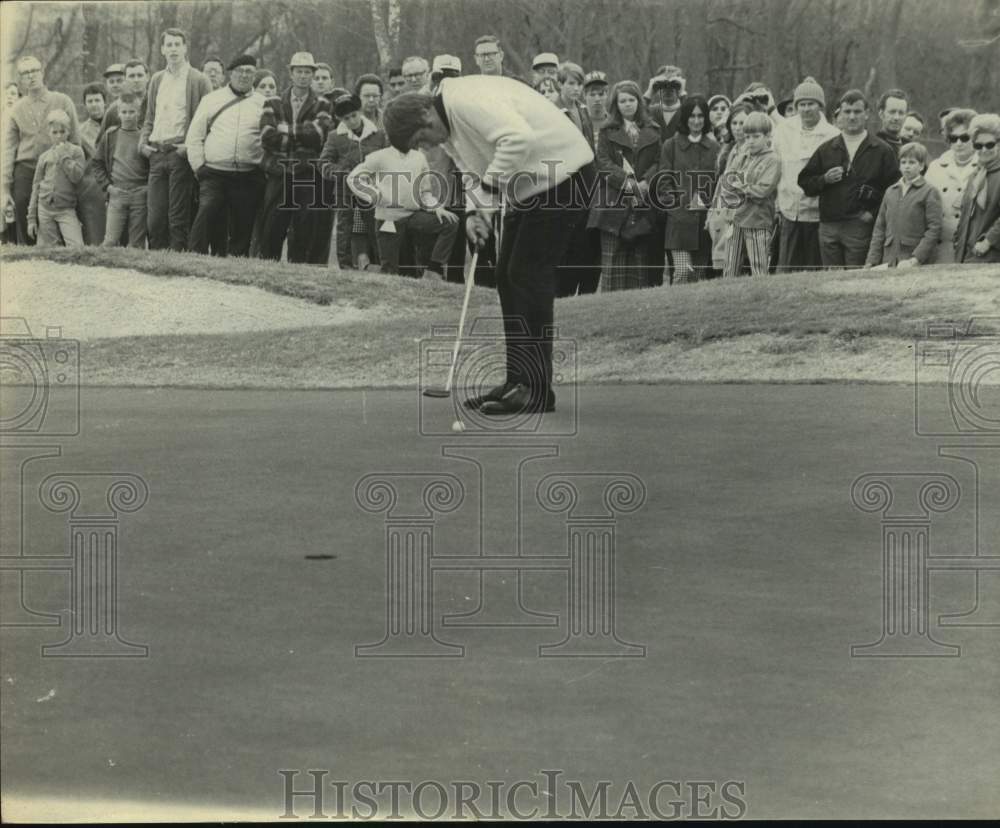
column 977, row 223
column 865, row 180
column 950, row 179
column 306, row 134
column 685, row 168
column 614, row 147
column 908, row 226
column 224, row 133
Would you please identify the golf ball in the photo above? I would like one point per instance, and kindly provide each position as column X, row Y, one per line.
column 458, row 425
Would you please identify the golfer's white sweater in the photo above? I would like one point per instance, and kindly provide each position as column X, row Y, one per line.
column 510, row 137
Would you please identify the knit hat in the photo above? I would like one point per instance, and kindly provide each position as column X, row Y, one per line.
column 242, row 60
column 716, row 98
column 344, row 105
column 809, row 90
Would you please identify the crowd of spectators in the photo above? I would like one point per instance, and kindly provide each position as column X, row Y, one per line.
column 690, row 186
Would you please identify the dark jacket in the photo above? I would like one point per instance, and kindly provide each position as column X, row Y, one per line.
column 865, row 181
column 894, row 141
column 684, row 169
column 582, row 122
column 306, row 135
column 102, row 164
column 610, row 207
column 907, row 225
column 976, row 223
column 668, row 129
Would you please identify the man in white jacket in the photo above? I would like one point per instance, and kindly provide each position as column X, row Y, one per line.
column 224, row 150
column 515, row 146
column 795, row 140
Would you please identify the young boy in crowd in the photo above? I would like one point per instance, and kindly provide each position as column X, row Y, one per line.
column 755, row 182
column 52, row 208
column 123, row 172
column 908, row 227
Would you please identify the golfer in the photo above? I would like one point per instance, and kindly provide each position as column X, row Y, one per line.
column 517, row 148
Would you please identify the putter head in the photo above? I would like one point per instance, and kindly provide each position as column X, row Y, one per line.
column 440, row 393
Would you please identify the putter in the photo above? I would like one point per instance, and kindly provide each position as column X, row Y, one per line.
column 470, row 280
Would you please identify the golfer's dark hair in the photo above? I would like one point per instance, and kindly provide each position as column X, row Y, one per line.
column 892, row 93
column 690, row 104
column 95, row 89
column 852, row 96
column 404, row 117
column 368, row 78
column 175, row 33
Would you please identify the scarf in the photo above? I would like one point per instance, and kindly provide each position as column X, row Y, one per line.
column 632, row 131
column 979, row 182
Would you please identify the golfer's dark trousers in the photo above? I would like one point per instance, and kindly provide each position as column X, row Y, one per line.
column 535, row 241
column 169, row 198
column 229, row 200
column 24, row 175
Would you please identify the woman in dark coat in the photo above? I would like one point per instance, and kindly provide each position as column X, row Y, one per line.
column 977, row 239
column 628, row 152
column 685, row 185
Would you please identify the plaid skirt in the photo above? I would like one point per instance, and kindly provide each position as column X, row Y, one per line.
column 622, row 263
column 362, row 220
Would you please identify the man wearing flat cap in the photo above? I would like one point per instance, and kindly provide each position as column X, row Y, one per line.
column 545, row 65
column 114, row 81
column 293, row 129
column 224, row 151
column 346, row 147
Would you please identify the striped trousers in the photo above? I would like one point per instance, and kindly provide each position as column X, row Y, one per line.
column 757, row 241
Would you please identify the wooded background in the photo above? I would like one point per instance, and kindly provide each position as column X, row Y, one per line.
column 944, row 52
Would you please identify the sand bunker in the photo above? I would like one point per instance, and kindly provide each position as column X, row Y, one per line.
column 99, row 302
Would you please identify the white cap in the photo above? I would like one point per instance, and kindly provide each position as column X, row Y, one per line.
column 442, row 62
column 302, row 59
column 545, row 59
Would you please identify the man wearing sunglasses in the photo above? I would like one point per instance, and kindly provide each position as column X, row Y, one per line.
column 977, row 239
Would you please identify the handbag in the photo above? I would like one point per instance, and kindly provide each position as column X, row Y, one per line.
column 638, row 223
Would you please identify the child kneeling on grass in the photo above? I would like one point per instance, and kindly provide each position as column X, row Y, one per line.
column 52, row 208
column 908, row 227
column 756, row 178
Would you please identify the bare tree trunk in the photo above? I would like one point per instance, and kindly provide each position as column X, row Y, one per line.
column 91, row 40
column 385, row 23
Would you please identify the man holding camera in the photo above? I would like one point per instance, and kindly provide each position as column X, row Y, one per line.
column 665, row 93
column 850, row 173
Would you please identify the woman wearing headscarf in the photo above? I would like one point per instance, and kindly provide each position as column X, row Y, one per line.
column 950, row 174
column 686, row 182
column 628, row 152
column 977, row 238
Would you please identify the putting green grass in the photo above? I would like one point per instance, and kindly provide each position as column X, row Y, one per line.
column 807, row 327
